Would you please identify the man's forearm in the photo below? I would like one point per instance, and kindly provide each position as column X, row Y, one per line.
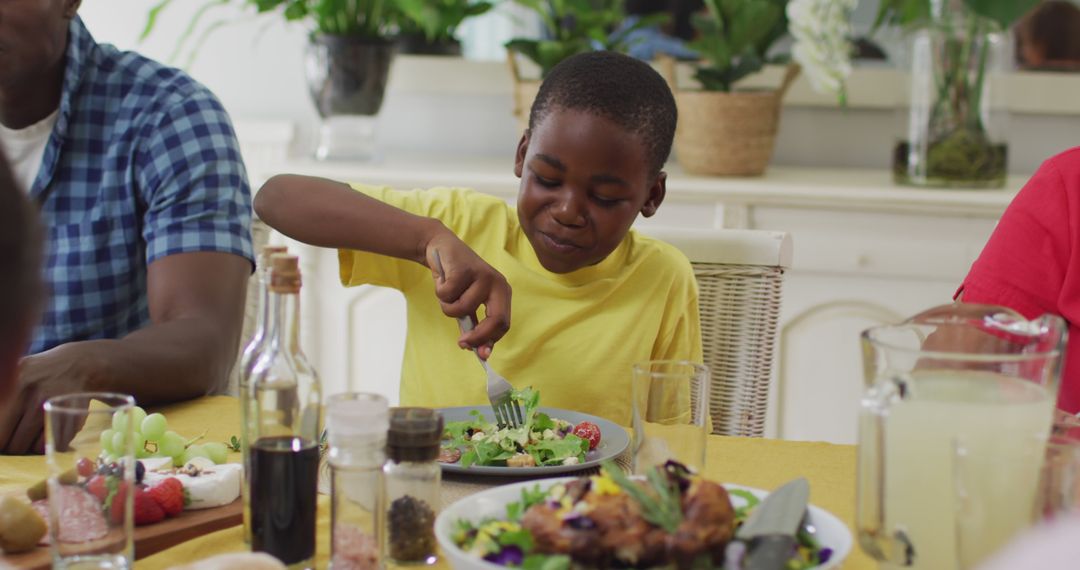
column 167, row 362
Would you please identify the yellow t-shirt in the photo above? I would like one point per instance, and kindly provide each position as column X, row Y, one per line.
column 573, row 337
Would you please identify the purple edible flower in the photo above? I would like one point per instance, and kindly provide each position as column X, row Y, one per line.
column 824, row 555
column 678, row 474
column 579, row 521
column 508, row 556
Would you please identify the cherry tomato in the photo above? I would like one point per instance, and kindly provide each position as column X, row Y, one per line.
column 588, row 431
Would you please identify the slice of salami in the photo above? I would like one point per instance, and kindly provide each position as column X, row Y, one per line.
column 42, row 508
column 81, row 515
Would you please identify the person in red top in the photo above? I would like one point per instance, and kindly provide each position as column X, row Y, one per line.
column 1031, row 263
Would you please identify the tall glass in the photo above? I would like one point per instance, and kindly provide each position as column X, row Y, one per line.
column 1059, row 483
column 670, row 413
column 956, row 417
column 84, row 531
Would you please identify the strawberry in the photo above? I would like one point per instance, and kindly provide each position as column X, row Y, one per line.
column 147, row 511
column 169, row 495
column 98, row 486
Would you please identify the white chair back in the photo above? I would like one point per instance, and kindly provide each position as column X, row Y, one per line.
column 740, row 277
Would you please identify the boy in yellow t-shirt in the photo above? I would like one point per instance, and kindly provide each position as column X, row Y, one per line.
column 591, row 296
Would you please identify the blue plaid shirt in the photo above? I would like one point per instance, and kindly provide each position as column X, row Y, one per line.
column 142, row 163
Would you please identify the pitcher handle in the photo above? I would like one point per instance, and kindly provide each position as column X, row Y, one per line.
column 881, row 543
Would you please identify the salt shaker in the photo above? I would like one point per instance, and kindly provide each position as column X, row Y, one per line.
column 356, row 431
column 411, row 479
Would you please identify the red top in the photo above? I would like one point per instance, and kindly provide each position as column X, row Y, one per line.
column 1030, row 263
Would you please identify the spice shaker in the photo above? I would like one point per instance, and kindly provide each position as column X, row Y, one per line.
column 356, row 425
column 411, row 479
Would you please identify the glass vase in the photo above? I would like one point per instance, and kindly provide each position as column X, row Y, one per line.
column 347, row 79
column 953, row 128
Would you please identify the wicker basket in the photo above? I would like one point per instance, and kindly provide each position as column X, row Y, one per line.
column 524, row 92
column 727, row 134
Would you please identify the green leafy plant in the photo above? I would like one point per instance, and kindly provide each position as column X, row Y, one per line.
column 909, row 13
column 576, row 26
column 437, row 20
column 959, row 146
column 734, row 38
column 355, row 18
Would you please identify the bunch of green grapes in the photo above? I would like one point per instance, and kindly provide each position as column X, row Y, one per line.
column 154, row 439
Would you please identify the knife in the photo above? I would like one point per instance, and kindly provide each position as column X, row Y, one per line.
column 769, row 532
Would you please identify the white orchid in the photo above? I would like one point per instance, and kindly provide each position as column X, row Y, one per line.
column 822, row 32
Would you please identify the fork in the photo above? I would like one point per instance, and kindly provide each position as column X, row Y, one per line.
column 507, row 411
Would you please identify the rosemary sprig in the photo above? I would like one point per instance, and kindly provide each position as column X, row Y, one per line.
column 662, row 507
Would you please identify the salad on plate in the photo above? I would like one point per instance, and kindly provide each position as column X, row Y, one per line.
column 671, row 518
column 540, row 441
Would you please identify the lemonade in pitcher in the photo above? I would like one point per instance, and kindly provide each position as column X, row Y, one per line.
column 952, row 433
column 962, row 463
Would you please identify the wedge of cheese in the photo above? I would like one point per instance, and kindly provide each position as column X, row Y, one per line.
column 207, row 486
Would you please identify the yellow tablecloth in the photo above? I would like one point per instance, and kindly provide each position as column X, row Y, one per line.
column 761, row 463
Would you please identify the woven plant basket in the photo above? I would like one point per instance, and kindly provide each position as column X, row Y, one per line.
column 524, row 92
column 727, row 134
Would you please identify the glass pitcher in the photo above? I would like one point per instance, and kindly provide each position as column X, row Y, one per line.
column 952, row 430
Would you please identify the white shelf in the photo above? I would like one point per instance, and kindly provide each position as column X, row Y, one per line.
column 869, row 87
column 826, row 188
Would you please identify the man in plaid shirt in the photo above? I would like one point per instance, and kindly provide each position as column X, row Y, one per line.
column 138, row 177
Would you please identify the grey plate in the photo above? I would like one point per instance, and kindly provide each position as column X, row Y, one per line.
column 613, row 441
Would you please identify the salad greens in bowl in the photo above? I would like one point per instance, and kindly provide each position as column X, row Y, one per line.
column 672, row 518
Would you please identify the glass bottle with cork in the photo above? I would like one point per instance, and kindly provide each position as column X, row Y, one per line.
column 283, row 430
column 356, row 425
column 248, row 359
column 411, row 479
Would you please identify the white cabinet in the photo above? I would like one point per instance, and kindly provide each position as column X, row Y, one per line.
column 866, row 252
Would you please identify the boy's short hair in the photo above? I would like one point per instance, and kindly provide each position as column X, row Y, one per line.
column 20, row 257
column 625, row 90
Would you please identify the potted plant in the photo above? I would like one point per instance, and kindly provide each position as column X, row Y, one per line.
column 429, row 27
column 568, row 27
column 953, row 133
column 724, row 130
column 350, row 50
column 728, row 131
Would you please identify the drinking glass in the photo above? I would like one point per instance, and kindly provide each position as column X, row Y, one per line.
column 90, row 448
column 1059, row 481
column 670, row 413
column 951, row 432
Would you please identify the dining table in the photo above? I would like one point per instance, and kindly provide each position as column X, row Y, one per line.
column 754, row 462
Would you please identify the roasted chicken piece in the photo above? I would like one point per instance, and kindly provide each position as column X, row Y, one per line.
column 708, row 524
column 604, row 530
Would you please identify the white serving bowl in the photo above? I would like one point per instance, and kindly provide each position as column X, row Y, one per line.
column 491, row 503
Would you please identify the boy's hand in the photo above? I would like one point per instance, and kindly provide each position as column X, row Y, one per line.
column 470, row 282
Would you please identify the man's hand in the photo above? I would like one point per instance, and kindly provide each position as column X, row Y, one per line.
column 196, row 311
column 470, row 282
column 59, row 371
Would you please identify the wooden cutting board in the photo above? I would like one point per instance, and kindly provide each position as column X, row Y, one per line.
column 152, row 538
